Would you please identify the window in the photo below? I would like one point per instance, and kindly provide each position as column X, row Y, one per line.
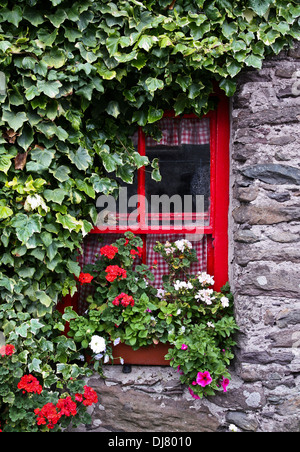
column 193, row 157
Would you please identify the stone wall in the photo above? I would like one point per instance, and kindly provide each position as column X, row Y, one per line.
column 265, row 235
column 263, row 395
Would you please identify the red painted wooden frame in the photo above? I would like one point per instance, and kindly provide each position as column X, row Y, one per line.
column 217, row 229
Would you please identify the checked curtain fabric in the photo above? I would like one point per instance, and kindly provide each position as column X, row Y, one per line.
column 176, row 132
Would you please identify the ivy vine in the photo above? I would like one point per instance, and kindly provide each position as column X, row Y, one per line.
column 80, row 77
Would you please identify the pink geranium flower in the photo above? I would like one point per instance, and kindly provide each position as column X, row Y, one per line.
column 203, row 378
column 184, row 347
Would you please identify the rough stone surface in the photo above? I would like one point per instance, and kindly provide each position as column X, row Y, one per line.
column 265, row 256
column 264, row 234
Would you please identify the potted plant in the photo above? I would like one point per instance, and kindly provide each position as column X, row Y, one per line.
column 194, row 323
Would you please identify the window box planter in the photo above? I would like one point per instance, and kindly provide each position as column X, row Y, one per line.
column 151, row 355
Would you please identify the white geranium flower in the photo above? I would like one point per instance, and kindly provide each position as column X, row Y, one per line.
column 205, row 295
column 182, row 285
column 205, row 278
column 225, row 302
column 98, row 344
column 233, row 428
column 181, row 244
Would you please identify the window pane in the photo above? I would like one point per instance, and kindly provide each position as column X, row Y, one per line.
column 184, row 161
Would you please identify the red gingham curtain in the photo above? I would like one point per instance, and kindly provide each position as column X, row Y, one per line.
column 91, row 253
column 176, row 132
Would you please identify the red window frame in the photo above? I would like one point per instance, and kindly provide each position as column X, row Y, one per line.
column 217, row 230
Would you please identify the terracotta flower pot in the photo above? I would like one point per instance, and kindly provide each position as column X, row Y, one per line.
column 151, row 355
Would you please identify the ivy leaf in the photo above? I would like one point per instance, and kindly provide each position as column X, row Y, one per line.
column 126, row 173
column 146, row 42
column 58, row 17
column 81, row 158
column 50, row 89
column 140, row 117
column 33, row 16
column 26, row 226
column 140, row 160
column 14, row 17
column 5, row 212
column 55, row 58
column 154, row 114
column 26, row 138
column 46, row 37
column 5, row 162
column 113, row 108
column 84, row 186
column 69, row 222
column 74, row 267
column 7, row 283
column 103, row 184
column 154, row 83
column 40, row 159
column 229, row 86
column 254, row 61
column 57, row 195
column 61, row 173
column 14, row 120
column 22, row 330
column 155, row 175
column 180, row 104
column 226, row 4
column 260, row 7
column 110, row 161
column 35, row 365
column 35, row 325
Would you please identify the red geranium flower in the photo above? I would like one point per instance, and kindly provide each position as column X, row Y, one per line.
column 30, row 384
column 66, row 407
column 7, row 350
column 47, row 414
column 85, row 278
column 90, row 396
column 124, row 299
column 138, row 253
column 114, row 271
column 109, row 251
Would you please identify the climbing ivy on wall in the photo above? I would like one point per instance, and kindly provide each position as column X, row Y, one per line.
column 80, row 77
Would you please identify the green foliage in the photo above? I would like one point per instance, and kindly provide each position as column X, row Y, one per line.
column 80, row 78
column 41, row 350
